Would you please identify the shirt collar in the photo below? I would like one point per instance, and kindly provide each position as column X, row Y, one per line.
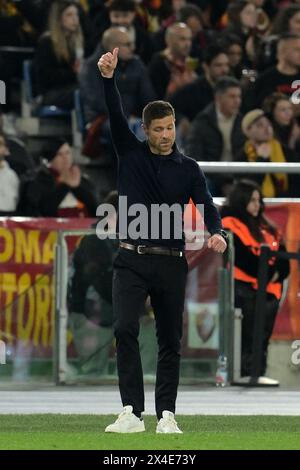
column 175, row 155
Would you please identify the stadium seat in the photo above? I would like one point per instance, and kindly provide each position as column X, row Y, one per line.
column 31, row 103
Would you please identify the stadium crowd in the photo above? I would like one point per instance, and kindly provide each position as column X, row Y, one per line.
column 227, row 67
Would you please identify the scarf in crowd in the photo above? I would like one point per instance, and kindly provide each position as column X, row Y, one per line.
column 274, row 184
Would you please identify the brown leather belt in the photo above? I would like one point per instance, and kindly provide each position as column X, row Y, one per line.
column 151, row 250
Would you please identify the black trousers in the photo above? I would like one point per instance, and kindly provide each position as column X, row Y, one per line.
column 245, row 298
column 163, row 278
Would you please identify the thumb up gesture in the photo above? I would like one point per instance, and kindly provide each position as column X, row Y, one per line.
column 108, row 62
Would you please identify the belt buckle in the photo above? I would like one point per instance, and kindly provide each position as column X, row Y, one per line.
column 140, row 249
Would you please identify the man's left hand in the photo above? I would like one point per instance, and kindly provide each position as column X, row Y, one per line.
column 217, row 243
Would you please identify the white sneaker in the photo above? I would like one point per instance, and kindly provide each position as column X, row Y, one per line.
column 126, row 422
column 262, row 380
column 167, row 424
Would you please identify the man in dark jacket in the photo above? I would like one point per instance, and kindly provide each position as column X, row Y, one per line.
column 216, row 134
column 193, row 98
column 150, row 261
column 133, row 81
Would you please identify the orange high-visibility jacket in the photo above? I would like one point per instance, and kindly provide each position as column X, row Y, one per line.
column 241, row 230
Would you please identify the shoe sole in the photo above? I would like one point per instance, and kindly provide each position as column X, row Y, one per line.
column 127, row 432
column 162, row 432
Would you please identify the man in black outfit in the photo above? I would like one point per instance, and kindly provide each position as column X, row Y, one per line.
column 151, row 173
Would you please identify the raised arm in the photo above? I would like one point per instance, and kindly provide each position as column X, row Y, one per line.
column 123, row 138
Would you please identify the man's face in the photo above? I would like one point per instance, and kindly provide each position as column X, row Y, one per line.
column 63, row 159
column 125, row 44
column 161, row 135
column 235, row 54
column 219, row 67
column 230, row 101
column 261, row 130
column 121, row 18
column 4, row 152
column 180, row 42
column 289, row 51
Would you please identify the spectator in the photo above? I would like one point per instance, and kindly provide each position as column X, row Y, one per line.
column 59, row 55
column 132, row 77
column 123, row 13
column 242, row 21
column 18, row 157
column 215, row 133
column 286, row 21
column 133, row 81
column 281, row 113
column 193, row 98
column 244, row 216
column 281, row 77
column 191, row 15
column 58, row 189
column 261, row 146
column 233, row 47
column 173, row 67
column 9, row 183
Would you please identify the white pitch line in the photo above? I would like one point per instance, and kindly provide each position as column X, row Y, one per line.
column 106, row 400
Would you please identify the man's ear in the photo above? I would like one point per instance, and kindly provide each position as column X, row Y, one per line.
column 145, row 129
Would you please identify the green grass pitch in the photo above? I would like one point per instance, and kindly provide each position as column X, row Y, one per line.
column 59, row 432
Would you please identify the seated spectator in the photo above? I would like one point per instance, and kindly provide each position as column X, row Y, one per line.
column 286, row 21
column 242, row 21
column 215, row 133
column 59, row 55
column 123, row 13
column 232, row 46
column 173, row 67
column 281, row 113
column 58, row 189
column 243, row 215
column 9, row 183
column 18, row 158
column 189, row 100
column 281, row 77
column 191, row 15
column 261, row 146
column 133, row 82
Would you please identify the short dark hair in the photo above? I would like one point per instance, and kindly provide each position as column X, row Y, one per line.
column 122, row 5
column 283, row 17
column 187, row 11
column 157, row 110
column 228, row 40
column 211, row 52
column 288, row 37
column 224, row 83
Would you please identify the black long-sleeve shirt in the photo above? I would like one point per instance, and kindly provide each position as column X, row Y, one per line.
column 148, row 179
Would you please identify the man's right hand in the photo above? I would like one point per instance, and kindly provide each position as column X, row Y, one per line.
column 108, row 62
